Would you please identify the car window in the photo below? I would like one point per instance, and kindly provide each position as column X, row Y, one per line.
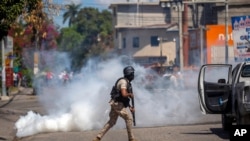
column 215, row 73
column 245, row 71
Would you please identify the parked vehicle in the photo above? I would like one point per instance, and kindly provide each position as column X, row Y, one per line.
column 226, row 91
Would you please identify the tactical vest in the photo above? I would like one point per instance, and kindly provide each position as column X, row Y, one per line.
column 116, row 94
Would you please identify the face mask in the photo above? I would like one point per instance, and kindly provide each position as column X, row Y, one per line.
column 130, row 77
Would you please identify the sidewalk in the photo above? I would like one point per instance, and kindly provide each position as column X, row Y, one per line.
column 19, row 103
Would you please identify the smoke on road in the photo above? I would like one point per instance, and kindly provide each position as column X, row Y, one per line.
column 83, row 103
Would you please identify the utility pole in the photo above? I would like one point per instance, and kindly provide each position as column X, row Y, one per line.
column 185, row 35
column 180, row 7
column 201, row 45
column 3, row 71
column 161, row 51
column 137, row 12
column 226, row 26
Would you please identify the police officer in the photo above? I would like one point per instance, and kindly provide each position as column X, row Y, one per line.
column 119, row 105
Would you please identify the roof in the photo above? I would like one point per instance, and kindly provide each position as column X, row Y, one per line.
column 132, row 3
column 217, row 2
column 155, row 26
column 235, row 2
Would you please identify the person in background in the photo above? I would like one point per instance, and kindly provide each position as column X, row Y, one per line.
column 65, row 77
column 20, row 76
column 49, row 77
column 176, row 78
column 15, row 79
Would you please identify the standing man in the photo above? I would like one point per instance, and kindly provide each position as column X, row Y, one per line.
column 176, row 78
column 120, row 95
column 15, row 79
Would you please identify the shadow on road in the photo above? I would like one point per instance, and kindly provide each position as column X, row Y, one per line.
column 14, row 95
column 1, row 138
column 217, row 131
column 220, row 132
column 9, row 101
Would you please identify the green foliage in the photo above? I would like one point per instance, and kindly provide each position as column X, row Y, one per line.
column 17, row 61
column 71, row 13
column 91, row 35
column 88, row 22
column 28, row 73
column 69, row 39
column 95, row 26
column 10, row 10
column 105, row 26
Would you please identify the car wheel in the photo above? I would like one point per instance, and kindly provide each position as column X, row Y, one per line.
column 241, row 119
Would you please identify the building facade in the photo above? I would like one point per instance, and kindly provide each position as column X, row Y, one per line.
column 140, row 33
column 148, row 32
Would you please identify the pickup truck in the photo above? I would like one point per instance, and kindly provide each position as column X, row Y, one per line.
column 224, row 89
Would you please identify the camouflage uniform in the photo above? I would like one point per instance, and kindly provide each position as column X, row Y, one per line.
column 118, row 109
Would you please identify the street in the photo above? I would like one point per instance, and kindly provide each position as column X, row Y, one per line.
column 204, row 132
column 209, row 129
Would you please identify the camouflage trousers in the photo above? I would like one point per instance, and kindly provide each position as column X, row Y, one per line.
column 118, row 109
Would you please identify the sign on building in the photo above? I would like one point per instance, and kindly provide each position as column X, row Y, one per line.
column 8, row 59
column 215, row 41
column 9, row 77
column 241, row 35
column 160, row 59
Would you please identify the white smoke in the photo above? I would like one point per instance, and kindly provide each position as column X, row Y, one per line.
column 83, row 103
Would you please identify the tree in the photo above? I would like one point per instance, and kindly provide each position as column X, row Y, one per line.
column 49, row 36
column 90, row 35
column 71, row 13
column 33, row 30
column 10, row 10
column 35, row 20
column 17, row 31
column 94, row 25
column 69, row 39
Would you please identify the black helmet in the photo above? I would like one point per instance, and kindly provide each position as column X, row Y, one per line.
column 129, row 72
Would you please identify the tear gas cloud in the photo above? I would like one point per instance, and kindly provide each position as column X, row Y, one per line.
column 83, row 103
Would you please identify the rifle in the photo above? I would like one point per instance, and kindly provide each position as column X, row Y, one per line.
column 133, row 113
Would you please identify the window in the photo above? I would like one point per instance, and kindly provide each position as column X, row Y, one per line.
column 246, row 71
column 136, row 42
column 154, row 41
column 124, row 43
column 114, row 11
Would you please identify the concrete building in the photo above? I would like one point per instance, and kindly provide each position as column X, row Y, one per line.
column 148, row 32
column 140, row 33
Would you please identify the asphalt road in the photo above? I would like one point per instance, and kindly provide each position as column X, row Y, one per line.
column 10, row 111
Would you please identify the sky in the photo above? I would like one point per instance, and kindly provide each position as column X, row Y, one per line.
column 100, row 4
